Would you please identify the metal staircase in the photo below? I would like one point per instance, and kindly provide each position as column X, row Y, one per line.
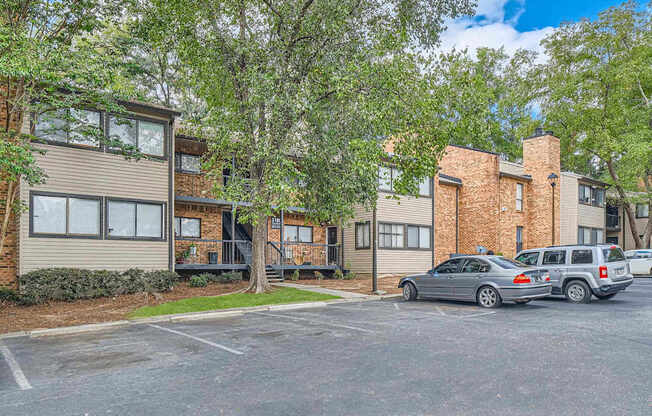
column 241, row 235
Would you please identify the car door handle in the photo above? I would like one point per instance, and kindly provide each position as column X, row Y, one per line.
column 451, row 277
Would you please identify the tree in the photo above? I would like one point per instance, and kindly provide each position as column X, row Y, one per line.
column 301, row 93
column 595, row 93
column 488, row 98
column 47, row 67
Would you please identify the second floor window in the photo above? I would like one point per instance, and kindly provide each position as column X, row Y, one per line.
column 642, row 211
column 519, row 197
column 147, row 136
column 187, row 163
column 391, row 235
column 387, row 176
column 591, row 196
column 70, row 126
column 585, row 194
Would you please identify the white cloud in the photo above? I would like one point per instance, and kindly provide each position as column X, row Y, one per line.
column 491, row 27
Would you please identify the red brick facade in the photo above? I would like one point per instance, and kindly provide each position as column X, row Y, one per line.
column 445, row 221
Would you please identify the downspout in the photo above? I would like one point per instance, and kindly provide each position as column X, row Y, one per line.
column 233, row 214
column 374, row 254
column 432, row 234
column 171, row 162
column 457, row 220
column 282, row 237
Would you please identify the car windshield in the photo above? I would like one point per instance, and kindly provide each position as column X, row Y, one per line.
column 612, row 254
column 506, row 263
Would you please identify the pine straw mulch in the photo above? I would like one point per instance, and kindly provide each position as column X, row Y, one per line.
column 387, row 283
column 56, row 314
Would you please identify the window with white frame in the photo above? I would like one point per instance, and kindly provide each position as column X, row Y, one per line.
column 391, row 235
column 65, row 216
column 519, row 197
column 187, row 163
column 362, row 235
column 424, row 187
column 147, row 136
column 71, row 126
column 135, row 220
column 187, row 227
column 418, row 236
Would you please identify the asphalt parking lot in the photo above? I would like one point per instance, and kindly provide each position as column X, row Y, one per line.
column 363, row 358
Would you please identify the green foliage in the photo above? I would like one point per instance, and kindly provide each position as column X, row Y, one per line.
column 236, row 300
column 596, row 91
column 319, row 275
column 71, row 284
column 295, row 275
column 338, row 274
column 198, row 281
column 349, row 276
column 228, row 277
column 9, row 295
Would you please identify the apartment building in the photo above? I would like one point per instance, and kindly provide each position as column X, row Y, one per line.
column 619, row 231
column 583, row 207
column 97, row 210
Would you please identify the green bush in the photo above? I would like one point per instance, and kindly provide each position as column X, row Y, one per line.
column 318, row 275
column 8, row 295
column 230, row 277
column 338, row 274
column 349, row 276
column 66, row 284
column 295, row 275
column 199, row 281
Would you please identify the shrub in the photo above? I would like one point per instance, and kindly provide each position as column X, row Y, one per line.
column 67, row 284
column 349, row 276
column 8, row 295
column 295, row 275
column 199, row 280
column 318, row 275
column 231, row 277
column 338, row 274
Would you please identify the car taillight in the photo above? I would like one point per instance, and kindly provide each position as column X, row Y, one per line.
column 546, row 277
column 603, row 272
column 522, row 278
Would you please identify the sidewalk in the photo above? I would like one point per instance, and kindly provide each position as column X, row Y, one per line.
column 310, row 288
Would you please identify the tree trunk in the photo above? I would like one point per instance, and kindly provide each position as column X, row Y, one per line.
column 627, row 207
column 12, row 193
column 257, row 277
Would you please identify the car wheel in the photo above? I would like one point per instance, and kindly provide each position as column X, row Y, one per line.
column 409, row 291
column 578, row 292
column 522, row 301
column 605, row 297
column 488, row 297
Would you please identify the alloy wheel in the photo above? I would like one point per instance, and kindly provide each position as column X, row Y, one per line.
column 487, row 297
column 576, row 293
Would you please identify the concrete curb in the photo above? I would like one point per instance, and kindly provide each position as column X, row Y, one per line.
column 182, row 317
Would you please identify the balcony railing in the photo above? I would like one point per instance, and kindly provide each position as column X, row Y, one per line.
column 203, row 251
column 302, row 254
column 613, row 221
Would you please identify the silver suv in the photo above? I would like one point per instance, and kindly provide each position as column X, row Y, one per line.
column 577, row 271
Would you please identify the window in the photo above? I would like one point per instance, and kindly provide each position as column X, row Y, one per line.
column 582, row 257
column 385, row 179
column 506, row 263
column 424, row 187
column 187, row 227
column 519, row 197
column 147, row 136
column 585, row 194
column 418, row 236
column 587, row 235
column 362, row 235
column 519, row 238
column 475, row 266
column 387, row 176
column 642, row 210
column 64, row 216
column 391, row 235
column 554, row 257
column 530, row 259
column 135, row 220
column 598, row 197
column 187, row 163
column 449, row 266
column 70, row 126
column 612, row 254
column 297, row 233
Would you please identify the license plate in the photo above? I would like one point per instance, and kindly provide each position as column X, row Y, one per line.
column 620, row 271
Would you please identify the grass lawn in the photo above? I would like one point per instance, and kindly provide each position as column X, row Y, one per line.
column 237, row 300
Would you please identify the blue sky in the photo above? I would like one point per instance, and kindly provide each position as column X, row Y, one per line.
column 517, row 23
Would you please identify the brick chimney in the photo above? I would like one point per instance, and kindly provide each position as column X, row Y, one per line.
column 541, row 158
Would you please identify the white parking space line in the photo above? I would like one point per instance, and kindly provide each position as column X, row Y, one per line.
column 314, row 321
column 212, row 344
column 19, row 376
column 476, row 314
column 441, row 312
column 396, row 307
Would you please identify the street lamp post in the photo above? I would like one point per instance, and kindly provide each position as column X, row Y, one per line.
column 552, row 179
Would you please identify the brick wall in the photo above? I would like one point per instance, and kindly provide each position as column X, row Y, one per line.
column 211, row 228
column 445, row 225
column 541, row 157
column 510, row 218
column 478, row 202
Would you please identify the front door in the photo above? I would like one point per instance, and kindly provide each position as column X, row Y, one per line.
column 332, row 245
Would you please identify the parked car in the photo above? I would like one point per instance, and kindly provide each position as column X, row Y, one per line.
column 487, row 280
column 578, row 271
column 640, row 261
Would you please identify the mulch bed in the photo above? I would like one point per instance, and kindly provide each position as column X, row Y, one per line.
column 56, row 314
column 359, row 285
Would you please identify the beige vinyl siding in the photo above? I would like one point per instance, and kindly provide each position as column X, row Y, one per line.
column 511, row 168
column 568, row 208
column 627, row 240
column 407, row 210
column 88, row 172
column 590, row 216
column 358, row 261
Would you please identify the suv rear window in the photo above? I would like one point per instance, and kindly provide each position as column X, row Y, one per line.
column 582, row 257
column 554, row 257
column 530, row 259
column 612, row 254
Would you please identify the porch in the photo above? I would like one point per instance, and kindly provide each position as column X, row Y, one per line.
column 218, row 255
